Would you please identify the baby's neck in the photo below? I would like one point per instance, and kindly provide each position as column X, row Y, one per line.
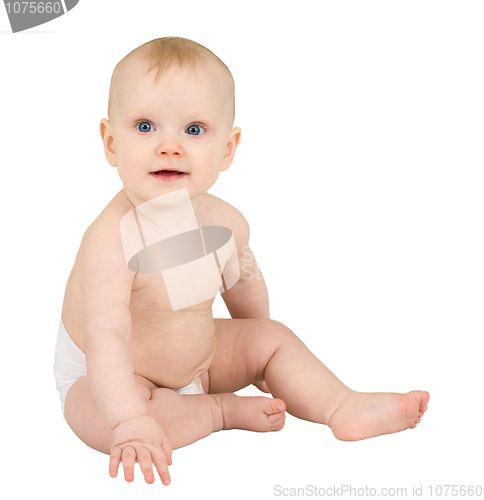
column 161, row 203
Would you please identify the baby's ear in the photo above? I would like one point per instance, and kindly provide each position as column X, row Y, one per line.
column 107, row 137
column 233, row 141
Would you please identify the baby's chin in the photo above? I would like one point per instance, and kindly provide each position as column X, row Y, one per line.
column 156, row 199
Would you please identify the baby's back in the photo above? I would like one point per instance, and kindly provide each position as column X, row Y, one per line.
column 168, row 347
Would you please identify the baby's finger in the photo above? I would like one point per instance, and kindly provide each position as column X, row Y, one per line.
column 114, row 462
column 161, row 465
column 165, row 445
column 129, row 454
column 144, row 459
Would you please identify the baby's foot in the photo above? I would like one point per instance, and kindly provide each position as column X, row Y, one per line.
column 258, row 413
column 364, row 415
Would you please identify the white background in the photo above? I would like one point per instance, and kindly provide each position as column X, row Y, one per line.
column 361, row 175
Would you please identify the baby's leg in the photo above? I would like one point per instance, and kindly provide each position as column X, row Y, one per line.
column 184, row 418
column 252, row 350
column 188, row 418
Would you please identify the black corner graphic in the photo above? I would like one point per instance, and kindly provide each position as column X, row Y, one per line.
column 70, row 4
column 26, row 15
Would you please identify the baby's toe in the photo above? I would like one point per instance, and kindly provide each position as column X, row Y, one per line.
column 277, row 421
column 424, row 400
column 273, row 406
column 421, row 398
column 277, row 417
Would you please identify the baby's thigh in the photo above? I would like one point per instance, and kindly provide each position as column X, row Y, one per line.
column 244, row 347
column 85, row 419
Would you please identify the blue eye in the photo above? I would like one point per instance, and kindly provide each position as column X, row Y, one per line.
column 195, row 130
column 144, row 127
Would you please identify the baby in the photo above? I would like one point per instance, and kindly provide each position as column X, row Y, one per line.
column 145, row 368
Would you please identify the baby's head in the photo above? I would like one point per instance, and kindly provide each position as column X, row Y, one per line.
column 171, row 107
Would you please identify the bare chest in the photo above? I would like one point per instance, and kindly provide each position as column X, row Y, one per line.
column 172, row 328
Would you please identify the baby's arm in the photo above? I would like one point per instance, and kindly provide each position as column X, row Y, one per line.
column 106, row 320
column 248, row 298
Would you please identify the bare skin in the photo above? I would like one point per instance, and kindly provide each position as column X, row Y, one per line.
column 138, row 349
column 248, row 351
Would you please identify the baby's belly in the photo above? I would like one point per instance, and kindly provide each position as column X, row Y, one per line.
column 172, row 348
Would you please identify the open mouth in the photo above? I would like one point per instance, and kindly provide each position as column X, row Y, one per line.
column 168, row 175
column 168, row 172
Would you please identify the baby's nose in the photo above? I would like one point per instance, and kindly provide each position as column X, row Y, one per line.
column 169, row 146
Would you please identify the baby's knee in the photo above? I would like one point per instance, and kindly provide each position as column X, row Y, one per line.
column 162, row 403
column 144, row 386
column 161, row 397
column 278, row 333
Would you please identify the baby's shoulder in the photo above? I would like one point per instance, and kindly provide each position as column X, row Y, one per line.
column 102, row 239
column 218, row 212
column 107, row 224
column 219, row 208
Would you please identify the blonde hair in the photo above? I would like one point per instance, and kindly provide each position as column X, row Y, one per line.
column 161, row 54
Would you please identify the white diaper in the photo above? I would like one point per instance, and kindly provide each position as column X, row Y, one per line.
column 70, row 365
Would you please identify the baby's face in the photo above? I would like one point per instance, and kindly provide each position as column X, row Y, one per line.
column 182, row 122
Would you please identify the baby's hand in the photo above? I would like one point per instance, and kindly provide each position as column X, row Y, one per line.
column 143, row 440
